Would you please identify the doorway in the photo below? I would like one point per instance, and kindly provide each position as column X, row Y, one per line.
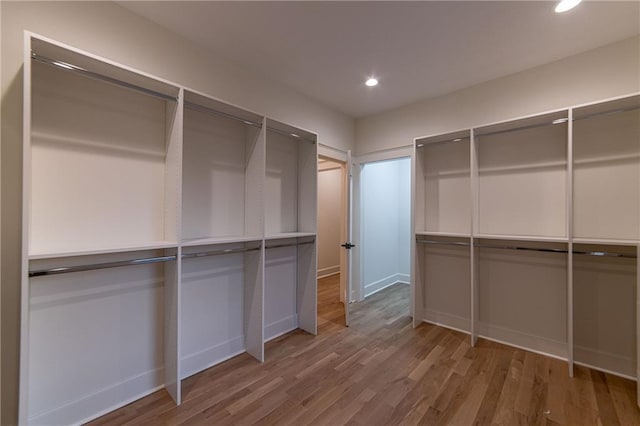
column 384, row 213
column 332, row 232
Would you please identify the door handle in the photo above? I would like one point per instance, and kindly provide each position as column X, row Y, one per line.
column 348, row 246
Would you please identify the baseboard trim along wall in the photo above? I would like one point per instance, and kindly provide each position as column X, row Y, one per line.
column 280, row 327
column 208, row 357
column 380, row 285
column 328, row 271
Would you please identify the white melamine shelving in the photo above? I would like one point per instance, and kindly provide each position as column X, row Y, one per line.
column 222, row 187
column 163, row 228
column 522, row 177
column 443, row 184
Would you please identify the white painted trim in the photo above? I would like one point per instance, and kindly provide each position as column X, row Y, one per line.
column 439, row 324
column 213, row 355
column 92, row 406
column 447, row 320
column 332, row 153
column 518, row 339
column 377, row 286
column 386, row 154
column 328, row 271
column 280, row 327
column 608, row 362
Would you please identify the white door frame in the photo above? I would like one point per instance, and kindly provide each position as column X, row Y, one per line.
column 357, row 283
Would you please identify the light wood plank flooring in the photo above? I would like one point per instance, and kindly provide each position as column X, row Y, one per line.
column 330, row 308
column 381, row 371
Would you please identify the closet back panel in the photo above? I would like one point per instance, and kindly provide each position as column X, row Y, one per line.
column 98, row 164
column 604, row 308
column 212, row 323
column 214, row 180
column 96, row 340
column 522, row 182
column 606, row 191
column 280, row 293
column 447, row 187
column 446, row 279
column 523, row 298
column 281, row 185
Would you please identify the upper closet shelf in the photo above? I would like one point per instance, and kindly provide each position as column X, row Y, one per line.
column 85, row 64
column 207, row 104
column 604, row 241
column 521, row 124
column 152, row 245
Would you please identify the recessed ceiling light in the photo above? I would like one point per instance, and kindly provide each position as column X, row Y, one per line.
column 371, row 82
column 565, row 5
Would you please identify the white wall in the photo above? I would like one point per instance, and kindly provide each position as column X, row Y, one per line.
column 330, row 193
column 385, row 223
column 106, row 29
column 606, row 72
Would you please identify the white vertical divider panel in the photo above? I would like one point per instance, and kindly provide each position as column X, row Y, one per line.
column 638, row 325
column 26, row 197
column 417, row 217
column 254, row 225
column 172, row 232
column 569, row 227
column 473, row 253
column 307, row 186
column 306, row 291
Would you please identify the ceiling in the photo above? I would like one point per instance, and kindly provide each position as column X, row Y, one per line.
column 417, row 50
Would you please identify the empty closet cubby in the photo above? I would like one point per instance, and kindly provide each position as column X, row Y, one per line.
column 290, row 291
column 604, row 307
column 103, row 158
column 291, row 181
column 222, row 184
column 443, row 185
column 443, row 277
column 606, row 171
column 521, row 289
column 221, row 304
column 96, row 338
column 522, row 178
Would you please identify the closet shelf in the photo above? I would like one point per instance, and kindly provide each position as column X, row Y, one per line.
column 284, row 235
column 443, row 234
column 194, row 242
column 605, row 241
column 533, row 238
column 153, row 245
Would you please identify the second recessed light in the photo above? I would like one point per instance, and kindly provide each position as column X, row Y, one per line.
column 371, row 82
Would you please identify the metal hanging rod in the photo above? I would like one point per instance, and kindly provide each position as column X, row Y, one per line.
column 218, row 252
column 561, row 120
column 444, row 243
column 544, row 250
column 608, row 112
column 95, row 75
column 291, row 135
column 205, row 109
column 289, row 245
column 95, row 266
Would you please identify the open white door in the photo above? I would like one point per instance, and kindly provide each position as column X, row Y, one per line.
column 346, row 256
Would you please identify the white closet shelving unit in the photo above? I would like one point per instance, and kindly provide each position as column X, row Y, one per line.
column 148, row 239
column 290, row 230
column 606, row 220
column 443, row 229
column 546, row 259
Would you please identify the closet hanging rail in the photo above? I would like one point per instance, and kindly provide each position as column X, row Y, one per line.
column 205, row 109
column 96, row 266
column 605, row 254
column 561, row 120
column 608, row 112
column 218, row 252
column 291, row 135
column 97, row 76
column 289, row 245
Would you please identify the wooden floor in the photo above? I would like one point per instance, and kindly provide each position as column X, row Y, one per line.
column 381, row 371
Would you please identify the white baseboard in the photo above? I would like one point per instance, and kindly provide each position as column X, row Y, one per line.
column 605, row 361
column 280, row 327
column 103, row 401
column 380, row 285
column 327, row 272
column 537, row 344
column 444, row 319
column 206, row 358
